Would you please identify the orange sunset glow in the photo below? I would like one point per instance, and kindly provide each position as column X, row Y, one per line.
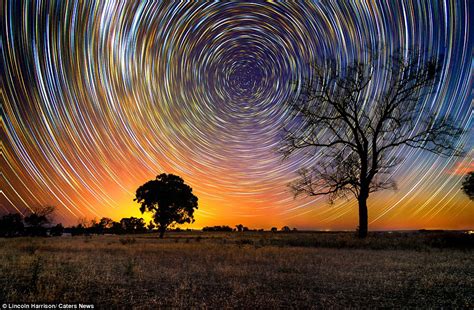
column 95, row 104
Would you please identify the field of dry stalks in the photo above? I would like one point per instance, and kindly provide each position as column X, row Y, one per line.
column 243, row 270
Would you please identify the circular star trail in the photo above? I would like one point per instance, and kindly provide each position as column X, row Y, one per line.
column 99, row 97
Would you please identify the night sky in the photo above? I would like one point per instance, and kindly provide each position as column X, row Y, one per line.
column 98, row 98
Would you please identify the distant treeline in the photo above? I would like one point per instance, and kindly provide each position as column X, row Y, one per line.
column 217, row 228
column 242, row 228
column 15, row 225
column 128, row 225
column 40, row 224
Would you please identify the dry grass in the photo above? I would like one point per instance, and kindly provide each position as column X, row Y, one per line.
column 218, row 270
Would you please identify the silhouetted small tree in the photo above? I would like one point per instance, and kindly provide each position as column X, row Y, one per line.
column 37, row 220
column 239, row 227
column 101, row 226
column 468, row 185
column 132, row 225
column 285, row 229
column 77, row 230
column 354, row 130
column 11, row 225
column 274, row 229
column 169, row 199
column 56, row 230
column 116, row 228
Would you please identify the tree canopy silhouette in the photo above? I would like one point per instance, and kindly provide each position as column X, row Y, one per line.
column 11, row 225
column 38, row 217
column 169, row 199
column 353, row 130
column 133, row 225
column 468, row 185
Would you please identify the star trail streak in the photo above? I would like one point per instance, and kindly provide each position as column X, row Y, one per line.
column 98, row 97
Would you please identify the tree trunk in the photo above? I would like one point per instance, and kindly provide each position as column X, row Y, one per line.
column 363, row 216
column 162, row 232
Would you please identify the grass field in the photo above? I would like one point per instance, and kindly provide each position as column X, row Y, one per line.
column 243, row 270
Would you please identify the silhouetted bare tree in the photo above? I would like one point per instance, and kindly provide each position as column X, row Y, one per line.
column 353, row 128
column 38, row 217
column 169, row 199
column 468, row 185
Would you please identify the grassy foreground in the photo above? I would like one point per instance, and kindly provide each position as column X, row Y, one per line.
column 243, row 270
